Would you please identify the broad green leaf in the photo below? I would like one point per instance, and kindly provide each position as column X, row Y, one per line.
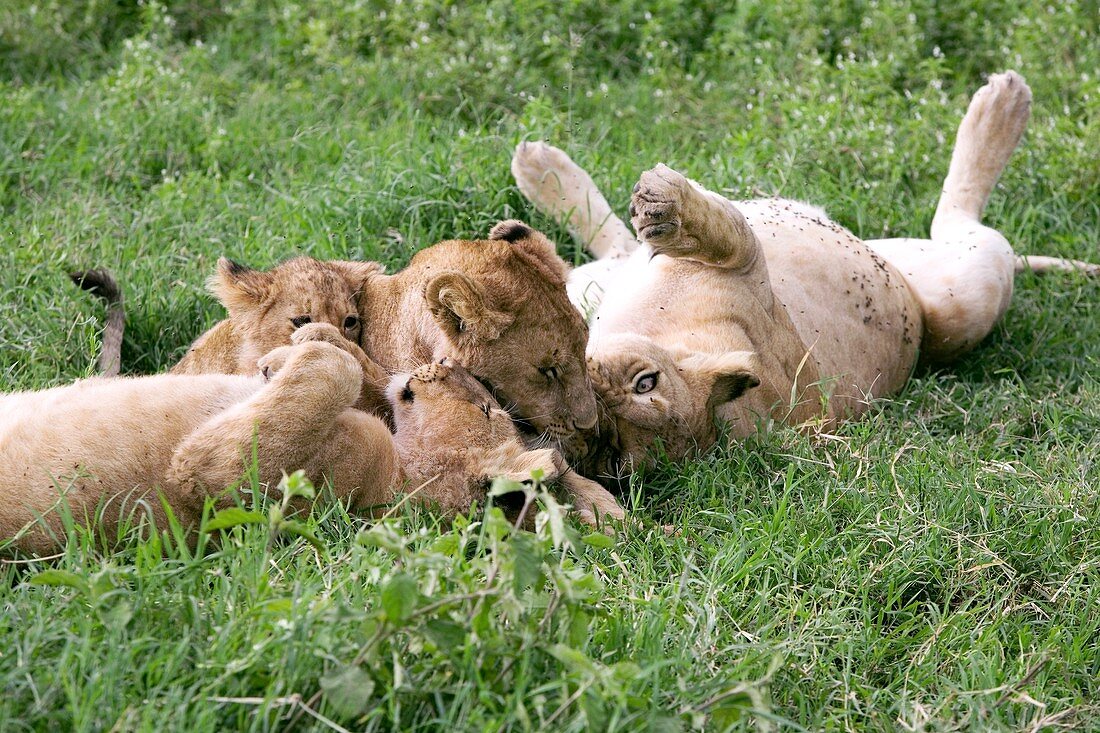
column 574, row 660
column 300, row 529
column 233, row 517
column 553, row 515
column 296, row 484
column 348, row 691
column 445, row 634
column 729, row 712
column 278, row 606
column 447, row 544
column 527, row 562
column 578, row 628
column 115, row 610
column 383, row 536
column 503, row 485
column 58, row 577
column 598, row 539
column 399, row 596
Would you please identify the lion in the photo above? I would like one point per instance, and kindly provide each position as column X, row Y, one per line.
column 767, row 310
column 498, row 306
column 117, row 446
column 265, row 307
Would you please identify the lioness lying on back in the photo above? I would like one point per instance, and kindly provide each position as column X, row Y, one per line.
column 721, row 296
column 111, row 443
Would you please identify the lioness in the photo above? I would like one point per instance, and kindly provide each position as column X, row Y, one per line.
column 721, row 297
column 497, row 306
column 111, row 443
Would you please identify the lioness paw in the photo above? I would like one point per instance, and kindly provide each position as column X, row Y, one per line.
column 656, row 208
column 547, row 176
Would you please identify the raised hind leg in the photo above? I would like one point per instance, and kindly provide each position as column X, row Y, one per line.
column 963, row 276
column 559, row 187
column 291, row 423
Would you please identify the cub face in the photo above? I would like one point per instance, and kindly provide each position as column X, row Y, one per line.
column 442, row 403
column 652, row 395
column 267, row 306
column 453, row 437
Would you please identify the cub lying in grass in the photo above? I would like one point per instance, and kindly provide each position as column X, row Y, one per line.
column 722, row 296
column 497, row 306
column 112, row 443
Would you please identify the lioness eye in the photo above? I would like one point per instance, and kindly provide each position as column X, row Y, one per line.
column 301, row 321
column 350, row 323
column 645, row 383
column 550, row 373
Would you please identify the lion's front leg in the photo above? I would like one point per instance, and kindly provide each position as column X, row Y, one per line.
column 678, row 218
column 591, row 502
column 559, row 187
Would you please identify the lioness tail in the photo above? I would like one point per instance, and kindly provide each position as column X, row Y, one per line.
column 1037, row 263
column 102, row 284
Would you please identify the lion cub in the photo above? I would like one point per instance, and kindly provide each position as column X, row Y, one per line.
column 499, row 306
column 110, row 443
column 267, row 306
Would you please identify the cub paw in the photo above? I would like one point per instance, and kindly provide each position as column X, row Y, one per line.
column 656, row 208
column 270, row 363
column 324, row 332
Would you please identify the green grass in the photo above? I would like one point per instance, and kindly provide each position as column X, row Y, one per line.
column 933, row 567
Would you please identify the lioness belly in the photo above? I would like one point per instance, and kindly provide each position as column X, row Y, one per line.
column 852, row 309
column 100, row 438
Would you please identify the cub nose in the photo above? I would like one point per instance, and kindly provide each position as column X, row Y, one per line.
column 584, row 422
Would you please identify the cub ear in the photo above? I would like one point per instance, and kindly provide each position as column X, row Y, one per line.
column 533, row 246
column 725, row 376
column 238, row 286
column 519, row 467
column 357, row 273
column 463, row 309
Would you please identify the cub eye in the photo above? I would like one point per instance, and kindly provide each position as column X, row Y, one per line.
column 645, row 383
column 301, row 321
column 551, row 373
column 351, row 323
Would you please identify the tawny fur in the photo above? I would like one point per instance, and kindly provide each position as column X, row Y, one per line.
column 772, row 291
column 116, row 446
column 265, row 308
column 498, row 306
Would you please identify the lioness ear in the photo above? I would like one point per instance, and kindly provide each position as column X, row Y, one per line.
column 357, row 273
column 519, row 467
column 463, row 309
column 238, row 286
column 725, row 376
column 533, row 246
